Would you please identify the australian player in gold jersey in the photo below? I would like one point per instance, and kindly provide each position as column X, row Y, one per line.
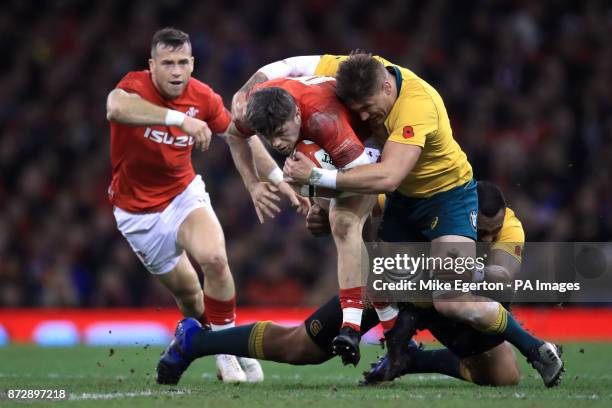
column 431, row 194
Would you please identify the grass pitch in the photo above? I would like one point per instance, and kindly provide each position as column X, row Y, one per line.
column 119, row 377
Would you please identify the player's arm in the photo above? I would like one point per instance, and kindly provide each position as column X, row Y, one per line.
column 417, row 121
column 289, row 67
column 131, row 109
column 396, row 162
column 262, row 194
column 266, row 166
column 252, row 159
column 502, row 267
column 505, row 254
column 242, row 155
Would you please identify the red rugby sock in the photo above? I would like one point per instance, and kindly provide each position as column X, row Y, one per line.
column 351, row 301
column 387, row 314
column 221, row 313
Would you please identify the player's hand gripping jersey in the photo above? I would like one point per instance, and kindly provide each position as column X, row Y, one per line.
column 325, row 120
column 152, row 164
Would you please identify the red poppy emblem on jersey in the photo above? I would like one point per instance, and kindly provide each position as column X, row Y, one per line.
column 408, row 132
column 517, row 250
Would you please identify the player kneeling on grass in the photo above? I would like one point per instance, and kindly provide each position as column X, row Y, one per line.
column 287, row 111
column 469, row 354
column 498, row 225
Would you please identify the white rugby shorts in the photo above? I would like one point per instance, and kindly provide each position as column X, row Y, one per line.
column 153, row 236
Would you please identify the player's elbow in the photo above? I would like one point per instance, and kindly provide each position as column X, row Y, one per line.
column 112, row 114
column 114, row 111
column 388, row 179
column 503, row 274
column 390, row 183
column 387, row 186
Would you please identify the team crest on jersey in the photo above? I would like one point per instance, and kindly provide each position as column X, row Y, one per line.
column 192, row 112
column 473, row 218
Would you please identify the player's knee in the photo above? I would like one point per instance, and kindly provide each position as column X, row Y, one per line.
column 213, row 263
column 498, row 369
column 502, row 377
column 343, row 226
column 508, row 378
column 468, row 312
column 449, row 309
column 507, row 373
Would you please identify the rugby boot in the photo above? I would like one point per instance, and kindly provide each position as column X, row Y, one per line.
column 546, row 359
column 346, row 345
column 252, row 369
column 396, row 340
column 378, row 371
column 178, row 355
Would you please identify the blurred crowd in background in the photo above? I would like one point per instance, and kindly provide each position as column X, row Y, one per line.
column 528, row 88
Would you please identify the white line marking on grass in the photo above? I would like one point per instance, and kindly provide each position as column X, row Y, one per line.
column 115, row 395
column 56, row 376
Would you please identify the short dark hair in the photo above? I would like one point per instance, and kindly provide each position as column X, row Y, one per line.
column 358, row 77
column 169, row 37
column 268, row 109
column 490, row 198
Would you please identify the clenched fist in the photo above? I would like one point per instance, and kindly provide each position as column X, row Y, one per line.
column 200, row 132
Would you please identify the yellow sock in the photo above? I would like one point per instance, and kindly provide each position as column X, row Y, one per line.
column 256, row 349
column 465, row 373
column 500, row 323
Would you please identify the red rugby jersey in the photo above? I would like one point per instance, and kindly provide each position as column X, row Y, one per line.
column 325, row 120
column 152, row 164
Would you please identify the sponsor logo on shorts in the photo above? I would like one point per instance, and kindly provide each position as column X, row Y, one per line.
column 517, row 250
column 473, row 218
column 315, row 327
column 434, row 222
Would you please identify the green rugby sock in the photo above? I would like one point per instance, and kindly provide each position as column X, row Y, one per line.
column 441, row 361
column 241, row 341
column 511, row 330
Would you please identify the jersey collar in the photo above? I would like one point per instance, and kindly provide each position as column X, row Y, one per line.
column 398, row 77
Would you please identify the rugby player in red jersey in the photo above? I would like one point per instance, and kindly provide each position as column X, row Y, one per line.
column 160, row 205
column 287, row 111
